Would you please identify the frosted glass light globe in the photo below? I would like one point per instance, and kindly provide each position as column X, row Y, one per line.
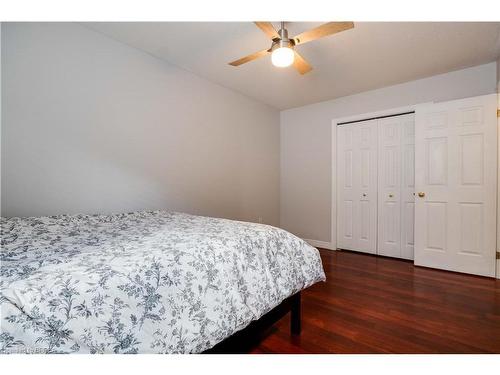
column 282, row 57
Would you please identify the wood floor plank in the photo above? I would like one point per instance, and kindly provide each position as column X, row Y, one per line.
column 372, row 304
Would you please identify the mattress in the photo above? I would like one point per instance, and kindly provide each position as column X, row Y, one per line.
column 142, row 282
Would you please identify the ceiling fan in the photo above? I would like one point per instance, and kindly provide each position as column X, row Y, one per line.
column 283, row 51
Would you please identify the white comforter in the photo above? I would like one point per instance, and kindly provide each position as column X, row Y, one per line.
column 143, row 282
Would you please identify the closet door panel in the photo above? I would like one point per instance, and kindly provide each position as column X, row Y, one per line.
column 366, row 240
column 396, row 186
column 346, row 189
column 389, row 175
column 357, row 187
column 407, row 186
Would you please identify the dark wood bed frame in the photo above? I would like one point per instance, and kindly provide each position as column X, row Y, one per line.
column 234, row 343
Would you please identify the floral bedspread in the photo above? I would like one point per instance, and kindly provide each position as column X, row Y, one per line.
column 142, row 282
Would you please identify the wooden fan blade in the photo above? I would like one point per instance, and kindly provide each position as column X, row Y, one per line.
column 321, row 31
column 248, row 58
column 301, row 64
column 268, row 29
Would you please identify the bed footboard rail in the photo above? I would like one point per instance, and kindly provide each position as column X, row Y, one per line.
column 238, row 343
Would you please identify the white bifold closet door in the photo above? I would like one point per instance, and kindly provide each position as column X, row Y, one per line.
column 396, row 186
column 357, row 186
column 456, row 181
column 375, row 186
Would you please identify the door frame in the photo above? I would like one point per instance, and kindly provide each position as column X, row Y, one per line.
column 354, row 118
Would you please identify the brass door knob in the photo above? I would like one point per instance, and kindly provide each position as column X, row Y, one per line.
column 421, row 194
column 391, row 195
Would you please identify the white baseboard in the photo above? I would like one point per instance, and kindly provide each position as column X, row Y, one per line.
column 322, row 244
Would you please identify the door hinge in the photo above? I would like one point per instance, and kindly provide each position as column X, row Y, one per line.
column 498, row 254
column 498, row 112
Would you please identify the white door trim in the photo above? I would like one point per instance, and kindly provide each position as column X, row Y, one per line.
column 335, row 122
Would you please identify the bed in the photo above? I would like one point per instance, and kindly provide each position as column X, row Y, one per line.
column 143, row 282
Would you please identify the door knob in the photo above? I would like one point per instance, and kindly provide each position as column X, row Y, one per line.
column 421, row 194
column 391, row 195
column 364, row 194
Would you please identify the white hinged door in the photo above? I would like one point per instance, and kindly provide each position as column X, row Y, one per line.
column 456, row 182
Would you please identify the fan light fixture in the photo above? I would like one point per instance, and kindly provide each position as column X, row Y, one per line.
column 282, row 57
column 284, row 49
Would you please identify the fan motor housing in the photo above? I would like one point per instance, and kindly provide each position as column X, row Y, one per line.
column 283, row 41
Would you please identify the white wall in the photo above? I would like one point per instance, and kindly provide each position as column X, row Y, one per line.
column 306, row 141
column 93, row 125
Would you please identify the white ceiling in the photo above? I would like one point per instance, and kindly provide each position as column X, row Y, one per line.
column 370, row 56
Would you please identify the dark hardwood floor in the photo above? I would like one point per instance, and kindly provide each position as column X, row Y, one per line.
column 373, row 304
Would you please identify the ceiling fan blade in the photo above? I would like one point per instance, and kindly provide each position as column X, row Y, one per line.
column 301, row 64
column 268, row 29
column 322, row 31
column 249, row 58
